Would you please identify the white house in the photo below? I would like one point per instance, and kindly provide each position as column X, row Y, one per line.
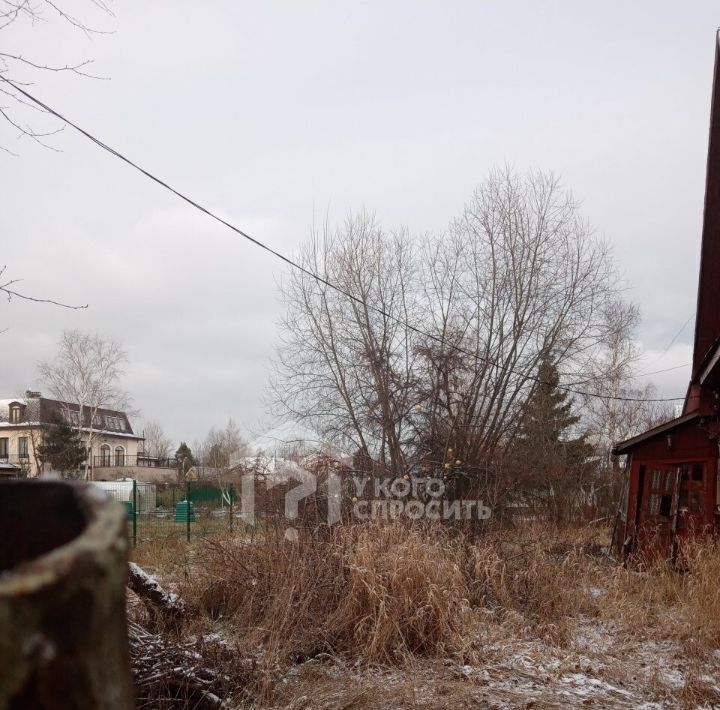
column 24, row 420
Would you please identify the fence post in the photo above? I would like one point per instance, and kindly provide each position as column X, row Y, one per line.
column 134, row 513
column 232, row 497
column 187, row 510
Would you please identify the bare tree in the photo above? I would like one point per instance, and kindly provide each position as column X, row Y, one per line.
column 528, row 279
column 86, row 372
column 619, row 412
column 346, row 367
column 221, row 452
column 18, row 68
column 8, row 287
column 430, row 362
column 157, row 444
column 222, row 447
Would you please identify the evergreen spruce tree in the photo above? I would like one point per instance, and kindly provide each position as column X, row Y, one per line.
column 62, row 448
column 551, row 464
column 185, row 452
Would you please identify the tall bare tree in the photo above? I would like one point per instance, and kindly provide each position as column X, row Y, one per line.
column 347, row 367
column 432, row 361
column 86, row 371
column 619, row 412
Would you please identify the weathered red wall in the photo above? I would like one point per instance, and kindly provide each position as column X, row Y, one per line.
column 690, row 444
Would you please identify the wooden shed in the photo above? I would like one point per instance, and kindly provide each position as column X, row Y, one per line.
column 673, row 488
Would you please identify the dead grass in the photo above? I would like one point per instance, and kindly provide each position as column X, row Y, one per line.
column 162, row 557
column 387, row 596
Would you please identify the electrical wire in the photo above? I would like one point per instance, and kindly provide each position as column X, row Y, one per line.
column 320, row 279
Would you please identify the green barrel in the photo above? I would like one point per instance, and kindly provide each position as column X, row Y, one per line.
column 129, row 508
column 184, row 512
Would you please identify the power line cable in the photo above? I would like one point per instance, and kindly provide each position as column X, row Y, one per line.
column 672, row 342
column 308, row 272
column 657, row 372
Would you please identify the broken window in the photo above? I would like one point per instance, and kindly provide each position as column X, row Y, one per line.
column 669, row 482
column 656, row 478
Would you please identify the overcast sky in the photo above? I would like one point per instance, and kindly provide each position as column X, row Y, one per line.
column 272, row 112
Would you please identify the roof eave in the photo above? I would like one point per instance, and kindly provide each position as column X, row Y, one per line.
column 624, row 446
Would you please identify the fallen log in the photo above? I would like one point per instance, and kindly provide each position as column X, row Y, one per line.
column 170, row 605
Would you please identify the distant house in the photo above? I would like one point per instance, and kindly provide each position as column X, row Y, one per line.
column 24, row 420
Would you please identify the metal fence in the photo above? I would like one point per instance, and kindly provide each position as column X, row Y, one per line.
column 157, row 512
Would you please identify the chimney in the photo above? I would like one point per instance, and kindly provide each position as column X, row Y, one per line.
column 32, row 394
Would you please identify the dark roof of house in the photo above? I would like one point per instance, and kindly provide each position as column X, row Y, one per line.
column 42, row 410
column 624, row 446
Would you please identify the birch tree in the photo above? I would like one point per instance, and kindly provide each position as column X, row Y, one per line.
column 86, row 372
column 619, row 411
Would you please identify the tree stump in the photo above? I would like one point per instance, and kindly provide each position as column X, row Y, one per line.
column 63, row 570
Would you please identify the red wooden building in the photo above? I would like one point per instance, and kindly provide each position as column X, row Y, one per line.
column 673, row 487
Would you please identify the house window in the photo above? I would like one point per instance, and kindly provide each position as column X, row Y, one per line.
column 656, row 477
column 4, row 447
column 691, row 500
column 669, row 480
column 23, row 447
column 104, row 455
column 660, row 495
column 119, row 456
column 14, row 415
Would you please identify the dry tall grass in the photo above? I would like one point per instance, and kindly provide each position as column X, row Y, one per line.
column 388, row 594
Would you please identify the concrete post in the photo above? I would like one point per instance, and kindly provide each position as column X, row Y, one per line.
column 63, row 571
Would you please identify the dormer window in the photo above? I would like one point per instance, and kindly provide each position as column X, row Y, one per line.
column 16, row 412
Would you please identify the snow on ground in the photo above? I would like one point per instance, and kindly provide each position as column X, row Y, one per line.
column 599, row 668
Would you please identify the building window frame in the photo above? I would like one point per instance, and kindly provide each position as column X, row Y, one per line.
column 119, row 455
column 105, row 454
